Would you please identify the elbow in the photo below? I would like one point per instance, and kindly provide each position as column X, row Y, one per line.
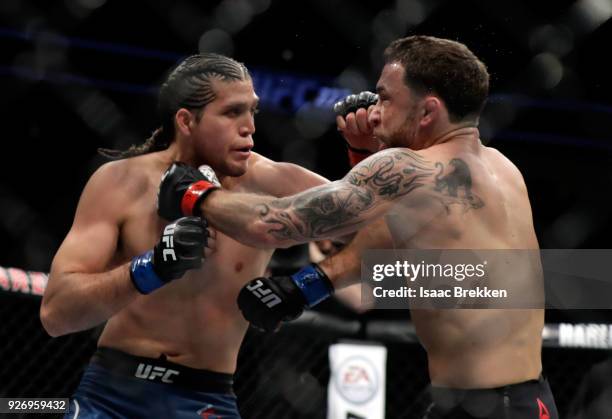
column 50, row 320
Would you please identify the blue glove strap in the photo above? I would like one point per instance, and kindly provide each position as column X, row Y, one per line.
column 143, row 276
column 314, row 287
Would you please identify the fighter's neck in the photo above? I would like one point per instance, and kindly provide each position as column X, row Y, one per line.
column 456, row 132
column 459, row 133
column 176, row 153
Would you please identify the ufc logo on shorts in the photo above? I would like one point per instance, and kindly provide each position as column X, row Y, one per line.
column 150, row 372
column 168, row 239
column 265, row 295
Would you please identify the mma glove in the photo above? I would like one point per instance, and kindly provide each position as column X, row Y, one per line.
column 357, row 147
column 266, row 302
column 353, row 102
column 183, row 188
column 180, row 248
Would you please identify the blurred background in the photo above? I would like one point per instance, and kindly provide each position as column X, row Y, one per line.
column 76, row 75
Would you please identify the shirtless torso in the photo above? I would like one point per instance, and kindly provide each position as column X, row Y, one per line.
column 194, row 320
column 476, row 348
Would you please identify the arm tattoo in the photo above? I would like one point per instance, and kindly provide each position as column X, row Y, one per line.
column 392, row 175
column 317, row 212
column 325, row 210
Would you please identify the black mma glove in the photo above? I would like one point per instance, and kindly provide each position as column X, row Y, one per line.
column 266, row 302
column 180, row 248
column 183, row 188
column 353, row 102
column 358, row 147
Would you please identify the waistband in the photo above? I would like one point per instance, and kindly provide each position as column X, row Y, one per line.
column 511, row 389
column 162, row 371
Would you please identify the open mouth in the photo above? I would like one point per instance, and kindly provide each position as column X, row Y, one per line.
column 243, row 152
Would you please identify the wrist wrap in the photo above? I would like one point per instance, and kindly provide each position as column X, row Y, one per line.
column 143, row 276
column 313, row 282
column 194, row 194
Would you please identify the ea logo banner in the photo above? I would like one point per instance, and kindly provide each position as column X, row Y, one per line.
column 357, row 380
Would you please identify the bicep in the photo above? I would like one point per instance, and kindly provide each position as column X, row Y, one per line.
column 91, row 243
column 88, row 248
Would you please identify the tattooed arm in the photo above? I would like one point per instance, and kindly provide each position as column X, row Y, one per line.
column 337, row 208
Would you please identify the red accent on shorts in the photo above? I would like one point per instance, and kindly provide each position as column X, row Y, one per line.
column 208, row 414
column 356, row 156
column 543, row 410
column 194, row 191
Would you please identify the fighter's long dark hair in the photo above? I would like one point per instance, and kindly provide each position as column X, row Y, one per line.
column 188, row 86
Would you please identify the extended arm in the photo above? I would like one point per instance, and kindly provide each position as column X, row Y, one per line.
column 326, row 211
column 364, row 195
column 266, row 302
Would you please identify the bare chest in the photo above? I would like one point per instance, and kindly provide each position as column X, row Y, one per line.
column 223, row 272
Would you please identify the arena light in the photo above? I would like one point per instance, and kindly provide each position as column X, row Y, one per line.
column 588, row 15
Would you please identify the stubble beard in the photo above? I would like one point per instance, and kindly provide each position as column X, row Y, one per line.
column 405, row 135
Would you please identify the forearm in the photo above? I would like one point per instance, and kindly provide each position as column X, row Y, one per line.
column 342, row 269
column 238, row 215
column 313, row 283
column 324, row 212
column 83, row 300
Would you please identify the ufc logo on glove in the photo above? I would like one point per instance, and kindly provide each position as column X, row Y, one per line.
column 265, row 295
column 168, row 240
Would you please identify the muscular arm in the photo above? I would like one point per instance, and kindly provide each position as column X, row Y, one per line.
column 82, row 292
column 363, row 196
column 334, row 209
column 280, row 179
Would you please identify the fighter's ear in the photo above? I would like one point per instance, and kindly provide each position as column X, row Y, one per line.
column 184, row 119
column 432, row 107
